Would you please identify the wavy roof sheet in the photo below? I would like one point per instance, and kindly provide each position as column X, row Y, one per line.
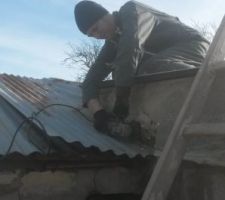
column 21, row 97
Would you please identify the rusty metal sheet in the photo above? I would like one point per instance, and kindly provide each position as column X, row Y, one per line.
column 27, row 96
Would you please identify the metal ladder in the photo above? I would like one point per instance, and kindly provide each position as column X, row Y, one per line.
column 185, row 125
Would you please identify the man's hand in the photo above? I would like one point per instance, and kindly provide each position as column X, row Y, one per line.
column 121, row 107
column 101, row 120
column 109, row 124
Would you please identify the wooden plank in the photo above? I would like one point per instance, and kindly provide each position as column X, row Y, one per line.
column 205, row 130
column 161, row 76
column 168, row 163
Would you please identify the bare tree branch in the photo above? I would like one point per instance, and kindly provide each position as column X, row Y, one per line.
column 81, row 57
column 207, row 30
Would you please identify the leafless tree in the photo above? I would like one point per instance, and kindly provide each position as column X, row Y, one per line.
column 82, row 56
column 207, row 30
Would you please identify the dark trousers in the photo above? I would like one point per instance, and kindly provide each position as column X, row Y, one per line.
column 182, row 56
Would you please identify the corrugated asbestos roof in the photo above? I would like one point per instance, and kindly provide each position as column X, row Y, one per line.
column 20, row 97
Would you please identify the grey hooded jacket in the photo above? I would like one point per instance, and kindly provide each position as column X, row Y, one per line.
column 143, row 32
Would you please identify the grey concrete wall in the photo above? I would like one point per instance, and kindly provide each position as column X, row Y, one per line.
column 64, row 185
column 193, row 182
column 161, row 102
column 199, row 182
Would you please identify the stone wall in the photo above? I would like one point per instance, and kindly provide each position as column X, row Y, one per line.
column 69, row 185
column 193, row 182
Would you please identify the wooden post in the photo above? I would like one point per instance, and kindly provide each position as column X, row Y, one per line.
column 173, row 152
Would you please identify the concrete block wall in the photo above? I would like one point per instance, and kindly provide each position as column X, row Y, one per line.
column 68, row 185
column 193, row 182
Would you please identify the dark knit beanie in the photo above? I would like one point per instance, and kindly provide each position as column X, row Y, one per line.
column 87, row 13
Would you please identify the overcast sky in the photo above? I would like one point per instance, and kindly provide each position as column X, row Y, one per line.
column 34, row 34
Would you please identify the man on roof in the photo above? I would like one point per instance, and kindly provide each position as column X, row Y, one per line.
column 138, row 40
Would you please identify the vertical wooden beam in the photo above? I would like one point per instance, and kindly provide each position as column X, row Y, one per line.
column 173, row 152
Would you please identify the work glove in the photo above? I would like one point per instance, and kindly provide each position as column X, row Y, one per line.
column 121, row 107
column 101, row 120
